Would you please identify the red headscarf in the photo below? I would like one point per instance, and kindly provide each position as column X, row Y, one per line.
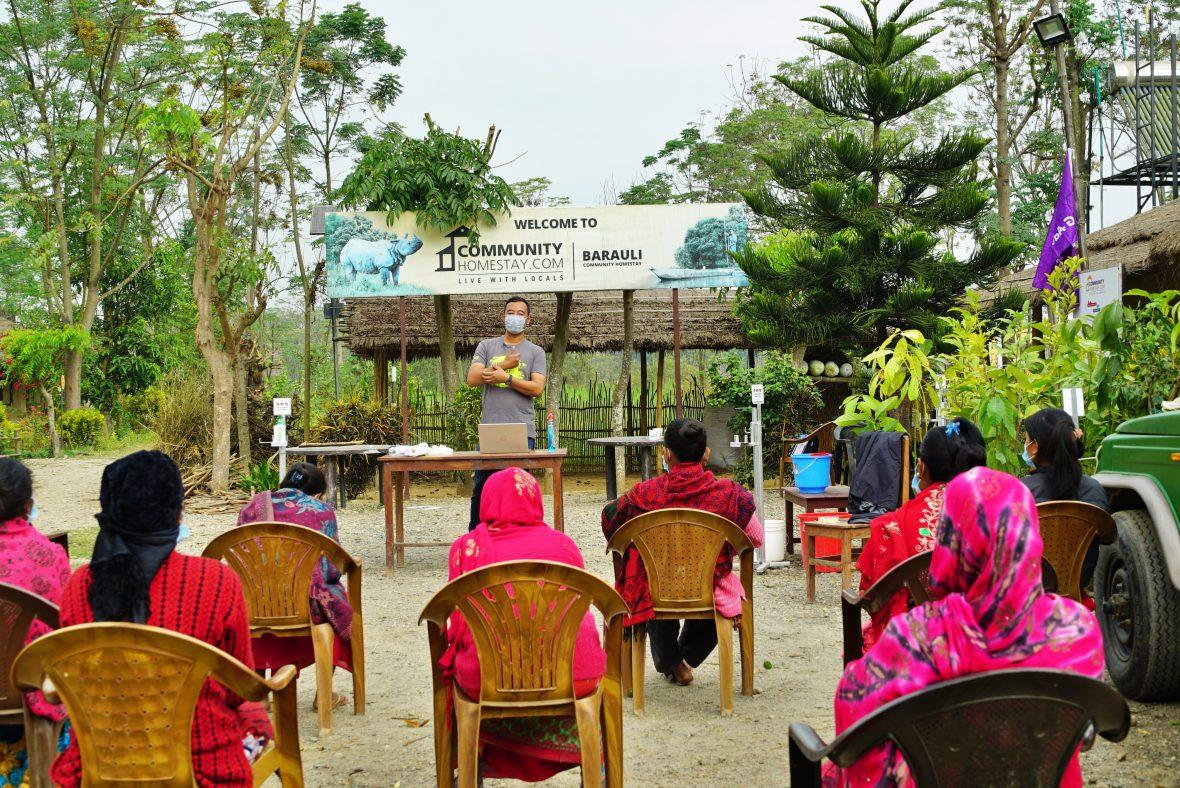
column 513, row 528
column 511, row 497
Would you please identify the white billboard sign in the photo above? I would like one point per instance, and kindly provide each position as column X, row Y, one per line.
column 618, row 247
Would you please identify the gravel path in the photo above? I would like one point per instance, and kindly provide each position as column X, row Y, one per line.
column 681, row 741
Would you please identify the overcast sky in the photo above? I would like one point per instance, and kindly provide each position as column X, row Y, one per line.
column 582, row 91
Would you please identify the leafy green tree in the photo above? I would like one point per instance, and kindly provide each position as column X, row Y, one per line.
column 446, row 180
column 537, row 193
column 699, row 165
column 346, row 75
column 212, row 139
column 36, row 358
column 76, row 78
column 862, row 210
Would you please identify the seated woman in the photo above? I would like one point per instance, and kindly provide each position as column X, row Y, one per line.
column 299, row 501
column 990, row 613
column 30, row 561
column 136, row 576
column 512, row 528
column 677, row 649
column 943, row 454
column 1052, row 448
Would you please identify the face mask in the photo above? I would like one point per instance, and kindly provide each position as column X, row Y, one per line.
column 514, row 324
column 33, row 513
column 915, row 486
column 664, row 462
column 1028, row 460
column 184, row 532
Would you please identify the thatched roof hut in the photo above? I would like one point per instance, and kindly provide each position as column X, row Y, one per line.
column 596, row 322
column 1146, row 245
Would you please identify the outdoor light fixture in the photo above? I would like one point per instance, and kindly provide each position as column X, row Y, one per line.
column 1052, row 30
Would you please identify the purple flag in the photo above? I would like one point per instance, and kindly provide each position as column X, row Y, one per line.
column 1062, row 239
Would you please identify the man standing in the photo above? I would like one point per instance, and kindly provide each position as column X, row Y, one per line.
column 511, row 371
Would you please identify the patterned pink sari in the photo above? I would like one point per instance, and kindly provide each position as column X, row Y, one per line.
column 990, row 613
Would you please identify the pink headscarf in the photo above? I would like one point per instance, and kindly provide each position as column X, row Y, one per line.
column 513, row 528
column 990, row 612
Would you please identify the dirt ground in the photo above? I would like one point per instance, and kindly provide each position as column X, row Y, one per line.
column 682, row 741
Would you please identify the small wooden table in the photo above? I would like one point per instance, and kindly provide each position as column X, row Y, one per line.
column 60, row 537
column 612, row 444
column 845, row 532
column 333, row 453
column 834, row 497
column 395, row 544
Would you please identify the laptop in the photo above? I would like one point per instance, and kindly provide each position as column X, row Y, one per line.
column 503, row 438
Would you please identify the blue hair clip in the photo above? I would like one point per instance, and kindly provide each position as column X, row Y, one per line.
column 952, row 428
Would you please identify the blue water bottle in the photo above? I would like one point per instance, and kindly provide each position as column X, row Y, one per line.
column 551, row 432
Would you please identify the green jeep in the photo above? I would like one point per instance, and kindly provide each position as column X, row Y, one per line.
column 1137, row 581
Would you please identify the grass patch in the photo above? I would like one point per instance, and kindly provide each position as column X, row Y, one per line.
column 82, row 542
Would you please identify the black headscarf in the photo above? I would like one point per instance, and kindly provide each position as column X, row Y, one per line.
column 141, row 497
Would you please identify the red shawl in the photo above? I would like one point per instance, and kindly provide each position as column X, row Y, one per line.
column 893, row 538
column 687, row 486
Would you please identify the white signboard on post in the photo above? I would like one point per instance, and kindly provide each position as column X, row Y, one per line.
column 757, row 394
column 617, row 247
column 1074, row 404
column 1097, row 289
column 282, row 406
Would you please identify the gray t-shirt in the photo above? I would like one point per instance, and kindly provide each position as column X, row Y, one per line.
column 503, row 404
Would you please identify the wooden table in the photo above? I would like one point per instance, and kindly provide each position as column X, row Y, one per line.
column 845, row 532
column 60, row 537
column 834, row 497
column 395, row 543
column 332, row 469
column 611, row 446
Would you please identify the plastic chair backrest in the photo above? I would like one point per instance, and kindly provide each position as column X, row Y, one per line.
column 679, row 548
column 1003, row 728
column 524, row 617
column 912, row 575
column 1068, row 528
column 131, row 692
column 18, row 609
column 275, row 562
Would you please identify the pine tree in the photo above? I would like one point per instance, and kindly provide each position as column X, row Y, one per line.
column 864, row 211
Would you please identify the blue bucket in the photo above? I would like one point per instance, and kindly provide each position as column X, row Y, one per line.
column 813, row 472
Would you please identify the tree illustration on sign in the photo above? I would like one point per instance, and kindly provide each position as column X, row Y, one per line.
column 707, row 243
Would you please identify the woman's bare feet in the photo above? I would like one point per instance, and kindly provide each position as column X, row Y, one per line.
column 681, row 674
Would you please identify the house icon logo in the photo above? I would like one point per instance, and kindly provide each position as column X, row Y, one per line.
column 446, row 255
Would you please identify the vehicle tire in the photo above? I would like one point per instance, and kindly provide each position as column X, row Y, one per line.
column 1138, row 610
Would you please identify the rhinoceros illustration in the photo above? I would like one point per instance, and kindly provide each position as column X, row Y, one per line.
column 378, row 257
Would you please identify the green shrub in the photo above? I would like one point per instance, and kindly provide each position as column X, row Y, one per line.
column 139, row 411
column 184, row 422
column 260, row 476
column 792, row 398
column 363, row 420
column 463, row 417
column 81, row 427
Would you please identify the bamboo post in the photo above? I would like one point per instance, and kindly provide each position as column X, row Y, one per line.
column 676, row 351
column 660, row 388
column 622, row 385
column 404, row 399
column 381, row 376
